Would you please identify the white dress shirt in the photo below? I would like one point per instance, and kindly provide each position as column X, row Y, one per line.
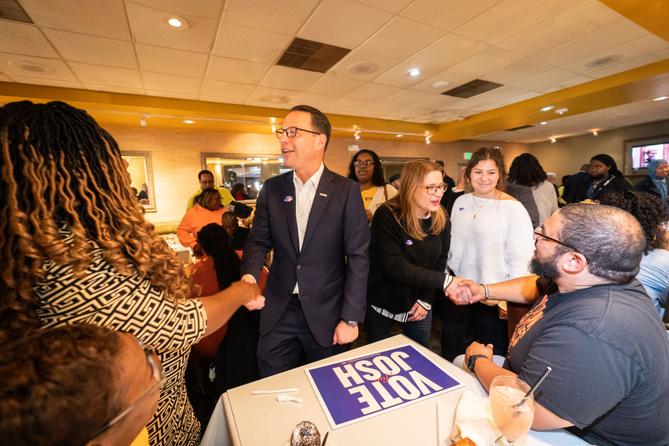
column 304, row 199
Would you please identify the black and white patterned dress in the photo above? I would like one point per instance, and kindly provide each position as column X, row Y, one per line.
column 131, row 304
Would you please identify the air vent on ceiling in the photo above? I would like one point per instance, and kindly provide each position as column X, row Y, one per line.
column 312, row 56
column 12, row 10
column 473, row 88
column 519, row 128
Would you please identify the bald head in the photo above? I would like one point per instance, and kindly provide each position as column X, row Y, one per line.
column 611, row 239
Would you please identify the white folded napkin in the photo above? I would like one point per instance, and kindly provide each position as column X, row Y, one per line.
column 472, row 419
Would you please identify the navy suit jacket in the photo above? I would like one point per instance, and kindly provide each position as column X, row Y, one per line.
column 332, row 267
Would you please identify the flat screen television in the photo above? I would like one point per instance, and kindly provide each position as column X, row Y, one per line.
column 639, row 152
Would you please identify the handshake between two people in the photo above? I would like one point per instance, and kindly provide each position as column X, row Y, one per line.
column 465, row 292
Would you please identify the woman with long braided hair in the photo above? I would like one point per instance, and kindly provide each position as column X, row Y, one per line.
column 76, row 249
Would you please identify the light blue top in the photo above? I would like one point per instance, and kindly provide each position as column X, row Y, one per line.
column 654, row 276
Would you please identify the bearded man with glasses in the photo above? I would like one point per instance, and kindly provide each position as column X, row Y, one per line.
column 592, row 323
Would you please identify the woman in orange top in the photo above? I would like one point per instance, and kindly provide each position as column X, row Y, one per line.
column 207, row 209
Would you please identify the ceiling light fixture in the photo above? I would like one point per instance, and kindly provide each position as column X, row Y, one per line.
column 440, row 84
column 553, row 140
column 543, row 123
column 595, row 133
column 399, row 135
column 356, row 134
column 273, row 128
column 414, row 72
column 177, row 22
column 188, row 121
column 547, row 108
column 142, row 121
column 561, row 111
column 661, row 98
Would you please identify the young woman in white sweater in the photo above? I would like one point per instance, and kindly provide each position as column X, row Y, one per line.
column 491, row 240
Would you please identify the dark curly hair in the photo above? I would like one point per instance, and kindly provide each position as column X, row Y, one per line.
column 57, row 385
column 377, row 175
column 526, row 171
column 647, row 208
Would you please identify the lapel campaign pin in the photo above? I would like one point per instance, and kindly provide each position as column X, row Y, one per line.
column 287, row 199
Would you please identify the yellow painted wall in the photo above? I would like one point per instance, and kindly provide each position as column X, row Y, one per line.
column 176, row 157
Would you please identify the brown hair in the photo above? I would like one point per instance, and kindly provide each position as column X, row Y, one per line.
column 58, row 386
column 485, row 153
column 403, row 204
column 59, row 168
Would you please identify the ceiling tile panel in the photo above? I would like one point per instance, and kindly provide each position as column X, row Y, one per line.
column 486, row 62
column 104, row 18
column 393, row 6
column 346, row 106
column 168, row 82
column 442, row 54
column 289, row 78
column 233, row 70
column 446, row 14
column 320, row 101
column 334, row 85
column 392, row 43
column 516, row 72
column 285, row 17
column 36, row 67
column 397, row 101
column 22, row 38
column 626, row 64
column 442, row 82
column 95, row 74
column 594, row 44
column 171, row 61
column 200, row 8
column 49, row 82
column 331, row 23
column 150, row 26
column 171, row 94
column 242, row 42
column 91, row 49
column 114, row 88
column 372, row 93
column 220, row 91
column 272, row 97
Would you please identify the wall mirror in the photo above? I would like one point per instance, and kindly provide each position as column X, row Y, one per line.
column 141, row 177
column 243, row 175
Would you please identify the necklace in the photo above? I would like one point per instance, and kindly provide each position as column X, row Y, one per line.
column 479, row 205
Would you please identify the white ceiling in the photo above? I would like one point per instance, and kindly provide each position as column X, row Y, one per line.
column 229, row 50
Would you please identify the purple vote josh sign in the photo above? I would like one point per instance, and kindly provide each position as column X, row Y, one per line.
column 370, row 385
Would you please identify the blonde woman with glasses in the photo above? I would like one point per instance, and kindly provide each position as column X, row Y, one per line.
column 408, row 251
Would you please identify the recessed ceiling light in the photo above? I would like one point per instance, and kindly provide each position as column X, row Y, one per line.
column 553, row 140
column 547, row 108
column 561, row 111
column 399, row 135
column 543, row 123
column 595, row 133
column 30, row 66
column 440, row 84
column 414, row 72
column 177, row 22
column 603, row 61
column 660, row 98
column 363, row 68
column 188, row 121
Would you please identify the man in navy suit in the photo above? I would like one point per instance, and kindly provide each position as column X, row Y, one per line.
column 315, row 221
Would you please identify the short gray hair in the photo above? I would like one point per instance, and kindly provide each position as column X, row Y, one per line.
column 611, row 239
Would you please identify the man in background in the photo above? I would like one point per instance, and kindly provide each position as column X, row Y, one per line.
column 206, row 179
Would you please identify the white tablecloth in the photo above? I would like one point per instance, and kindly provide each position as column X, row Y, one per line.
column 244, row 419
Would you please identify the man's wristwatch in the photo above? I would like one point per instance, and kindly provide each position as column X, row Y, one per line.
column 471, row 362
column 351, row 323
